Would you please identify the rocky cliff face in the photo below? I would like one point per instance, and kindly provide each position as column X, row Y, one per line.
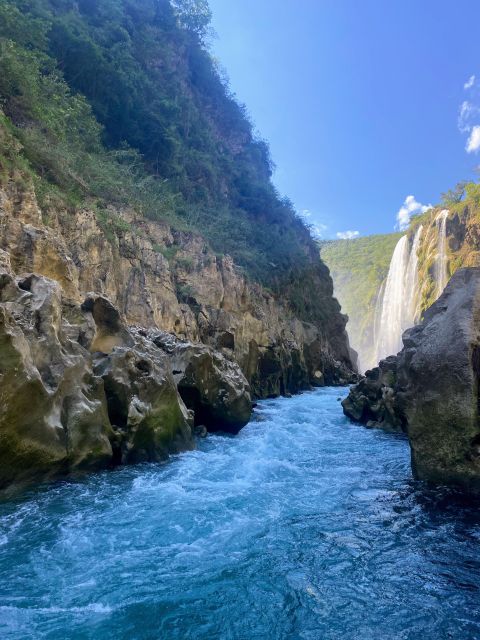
column 80, row 391
column 431, row 389
column 111, row 353
column 162, row 278
column 460, row 225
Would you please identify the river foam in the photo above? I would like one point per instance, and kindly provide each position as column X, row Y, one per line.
column 303, row 526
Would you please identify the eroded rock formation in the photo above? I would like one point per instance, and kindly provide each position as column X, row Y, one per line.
column 194, row 294
column 112, row 353
column 80, row 391
column 211, row 385
column 431, row 389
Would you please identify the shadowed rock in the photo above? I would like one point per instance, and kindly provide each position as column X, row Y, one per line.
column 211, row 385
column 432, row 388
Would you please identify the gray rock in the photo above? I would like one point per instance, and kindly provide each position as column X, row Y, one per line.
column 210, row 384
column 431, row 389
column 147, row 414
column 64, row 409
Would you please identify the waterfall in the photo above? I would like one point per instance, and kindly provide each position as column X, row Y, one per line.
column 399, row 304
column 390, row 326
column 378, row 315
column 441, row 263
column 412, row 310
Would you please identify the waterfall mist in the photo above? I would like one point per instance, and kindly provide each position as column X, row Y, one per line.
column 399, row 304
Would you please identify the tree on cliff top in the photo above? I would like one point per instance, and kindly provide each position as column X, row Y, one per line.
column 194, row 15
column 171, row 139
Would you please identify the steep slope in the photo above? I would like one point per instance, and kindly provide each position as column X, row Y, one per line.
column 129, row 175
column 120, row 101
column 117, row 109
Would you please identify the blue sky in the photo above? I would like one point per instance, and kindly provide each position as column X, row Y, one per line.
column 358, row 99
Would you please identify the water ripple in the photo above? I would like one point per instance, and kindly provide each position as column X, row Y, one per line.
column 302, row 527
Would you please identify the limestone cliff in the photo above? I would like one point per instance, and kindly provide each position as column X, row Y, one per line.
column 431, row 389
column 158, row 277
column 154, row 278
column 79, row 390
column 115, row 344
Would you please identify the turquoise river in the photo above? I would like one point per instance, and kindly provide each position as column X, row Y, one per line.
column 303, row 526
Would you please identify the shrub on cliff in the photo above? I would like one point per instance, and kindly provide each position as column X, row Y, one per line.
column 121, row 101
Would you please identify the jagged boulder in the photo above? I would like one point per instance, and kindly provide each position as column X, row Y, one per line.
column 433, row 388
column 372, row 400
column 110, row 331
column 78, row 391
column 147, row 414
column 211, row 385
column 53, row 416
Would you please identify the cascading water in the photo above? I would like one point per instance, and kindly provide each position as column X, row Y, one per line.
column 441, row 263
column 399, row 305
column 412, row 310
column 390, row 325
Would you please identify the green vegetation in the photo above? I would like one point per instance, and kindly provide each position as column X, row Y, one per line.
column 358, row 268
column 463, row 204
column 120, row 103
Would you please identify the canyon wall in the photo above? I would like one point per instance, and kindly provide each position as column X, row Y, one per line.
column 159, row 277
column 389, row 287
column 116, row 346
column 430, row 390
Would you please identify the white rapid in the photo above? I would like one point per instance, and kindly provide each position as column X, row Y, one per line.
column 441, row 263
column 399, row 305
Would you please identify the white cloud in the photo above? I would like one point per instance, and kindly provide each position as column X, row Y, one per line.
column 348, row 235
column 467, row 111
column 306, row 213
column 468, row 116
column 317, row 230
column 407, row 210
column 473, row 142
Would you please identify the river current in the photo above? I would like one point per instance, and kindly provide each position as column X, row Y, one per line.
column 303, row 526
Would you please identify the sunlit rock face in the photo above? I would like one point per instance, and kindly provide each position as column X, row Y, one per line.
column 194, row 294
column 81, row 391
column 66, row 407
column 212, row 386
column 84, row 385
